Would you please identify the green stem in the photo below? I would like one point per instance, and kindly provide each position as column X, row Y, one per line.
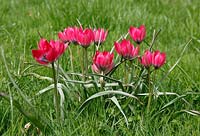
column 85, row 63
column 125, row 73
column 132, row 68
column 71, row 61
column 56, row 93
column 154, row 79
column 95, row 49
column 150, row 91
column 102, row 82
column 130, row 73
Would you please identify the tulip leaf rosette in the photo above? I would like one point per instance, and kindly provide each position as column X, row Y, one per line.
column 137, row 34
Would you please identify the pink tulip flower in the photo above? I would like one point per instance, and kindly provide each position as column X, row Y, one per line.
column 48, row 52
column 158, row 59
column 146, row 59
column 85, row 37
column 100, row 35
column 137, row 34
column 126, row 49
column 103, row 62
column 69, row 34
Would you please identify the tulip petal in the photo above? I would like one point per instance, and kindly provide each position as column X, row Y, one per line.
column 39, row 56
column 137, row 34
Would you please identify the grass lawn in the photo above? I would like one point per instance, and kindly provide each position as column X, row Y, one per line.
column 178, row 20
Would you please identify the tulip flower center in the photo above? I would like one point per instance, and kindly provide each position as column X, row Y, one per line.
column 44, row 59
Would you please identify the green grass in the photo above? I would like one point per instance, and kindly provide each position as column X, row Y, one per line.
column 179, row 21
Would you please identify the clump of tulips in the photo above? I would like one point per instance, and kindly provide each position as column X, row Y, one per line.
column 103, row 62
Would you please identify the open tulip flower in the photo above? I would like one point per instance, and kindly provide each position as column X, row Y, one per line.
column 146, row 59
column 48, row 52
column 103, row 62
column 126, row 49
column 69, row 34
column 100, row 35
column 85, row 37
column 137, row 34
column 158, row 59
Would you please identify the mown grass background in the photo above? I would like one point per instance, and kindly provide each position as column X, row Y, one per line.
column 179, row 21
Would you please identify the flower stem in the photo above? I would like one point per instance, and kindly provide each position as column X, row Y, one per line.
column 71, row 61
column 56, row 93
column 154, row 79
column 130, row 72
column 102, row 82
column 85, row 63
column 132, row 68
column 150, row 90
column 125, row 73
column 95, row 49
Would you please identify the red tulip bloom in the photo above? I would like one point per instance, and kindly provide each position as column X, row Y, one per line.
column 100, row 35
column 103, row 62
column 69, row 34
column 137, row 34
column 146, row 59
column 85, row 37
column 126, row 49
column 48, row 52
column 158, row 59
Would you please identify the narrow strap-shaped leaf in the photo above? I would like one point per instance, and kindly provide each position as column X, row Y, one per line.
column 106, row 77
column 105, row 93
column 45, row 89
column 192, row 112
column 62, row 99
column 165, row 93
column 115, row 101
column 48, row 88
column 40, row 77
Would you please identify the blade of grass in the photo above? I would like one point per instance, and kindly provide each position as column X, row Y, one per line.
column 25, row 98
column 184, row 72
column 178, row 60
column 11, row 108
column 172, row 101
column 33, row 117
